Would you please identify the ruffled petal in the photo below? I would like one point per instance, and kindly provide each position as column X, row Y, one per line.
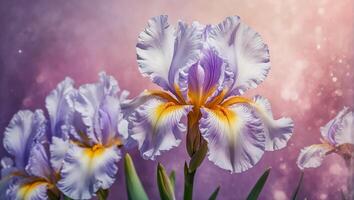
column 25, row 127
column 7, row 169
column 157, row 126
column 243, row 49
column 28, row 189
column 277, row 132
column 99, row 107
column 164, row 52
column 85, row 170
column 58, row 150
column 312, row 156
column 38, row 162
column 340, row 130
column 60, row 113
column 235, row 137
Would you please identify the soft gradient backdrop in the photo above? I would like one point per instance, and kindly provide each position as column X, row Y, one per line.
column 311, row 47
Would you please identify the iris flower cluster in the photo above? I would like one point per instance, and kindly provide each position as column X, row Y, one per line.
column 73, row 147
column 73, row 151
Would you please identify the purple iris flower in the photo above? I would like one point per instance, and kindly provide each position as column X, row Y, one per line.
column 203, row 71
column 87, row 151
column 338, row 137
column 29, row 174
column 75, row 152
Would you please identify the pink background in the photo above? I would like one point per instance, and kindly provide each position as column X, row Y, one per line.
column 311, row 47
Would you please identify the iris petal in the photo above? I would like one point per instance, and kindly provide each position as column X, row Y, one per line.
column 277, row 132
column 243, row 49
column 165, row 52
column 58, row 149
column 85, row 170
column 340, row 130
column 312, row 156
column 7, row 169
column 157, row 126
column 235, row 137
column 208, row 78
column 25, row 127
column 60, row 112
column 99, row 107
column 38, row 162
column 29, row 189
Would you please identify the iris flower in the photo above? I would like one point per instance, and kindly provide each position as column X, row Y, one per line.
column 203, row 71
column 87, row 152
column 29, row 174
column 337, row 137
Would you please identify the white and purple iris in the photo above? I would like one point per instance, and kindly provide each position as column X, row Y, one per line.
column 338, row 137
column 29, row 174
column 74, row 153
column 203, row 70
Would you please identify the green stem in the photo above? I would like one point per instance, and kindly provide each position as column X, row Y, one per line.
column 188, row 183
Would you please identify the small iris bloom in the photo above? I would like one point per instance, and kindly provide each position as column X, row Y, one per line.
column 203, row 71
column 29, row 175
column 87, row 152
column 337, row 137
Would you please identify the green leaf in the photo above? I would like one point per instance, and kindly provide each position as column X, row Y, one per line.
column 188, row 182
column 102, row 194
column 165, row 186
column 256, row 190
column 67, row 198
column 214, row 194
column 173, row 178
column 135, row 189
column 298, row 187
column 198, row 157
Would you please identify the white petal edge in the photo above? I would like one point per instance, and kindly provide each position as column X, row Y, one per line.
column 277, row 132
column 244, row 50
column 164, row 52
column 312, row 156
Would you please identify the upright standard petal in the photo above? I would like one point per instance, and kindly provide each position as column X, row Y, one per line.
column 207, row 78
column 244, row 50
column 312, row 156
column 25, row 127
column 99, row 107
column 86, row 170
column 38, row 162
column 277, row 132
column 163, row 52
column 60, row 113
column 157, row 126
column 235, row 137
column 340, row 130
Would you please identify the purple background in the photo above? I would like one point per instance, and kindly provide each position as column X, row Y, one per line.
column 311, row 46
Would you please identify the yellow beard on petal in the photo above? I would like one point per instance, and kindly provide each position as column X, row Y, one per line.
column 228, row 118
column 25, row 191
column 162, row 111
column 96, row 151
